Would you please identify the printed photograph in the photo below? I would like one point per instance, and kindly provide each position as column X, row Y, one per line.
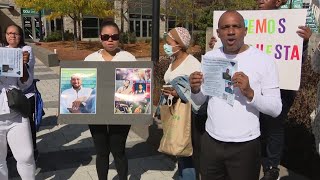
column 228, row 87
column 132, row 90
column 127, row 107
column 78, row 90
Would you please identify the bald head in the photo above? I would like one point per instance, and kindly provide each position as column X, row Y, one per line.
column 231, row 13
column 231, row 30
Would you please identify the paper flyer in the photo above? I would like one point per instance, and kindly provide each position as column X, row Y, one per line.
column 217, row 78
column 11, row 62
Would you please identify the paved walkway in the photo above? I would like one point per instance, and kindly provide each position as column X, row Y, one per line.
column 67, row 152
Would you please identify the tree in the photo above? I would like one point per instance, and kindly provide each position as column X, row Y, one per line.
column 204, row 18
column 75, row 9
column 183, row 10
column 199, row 12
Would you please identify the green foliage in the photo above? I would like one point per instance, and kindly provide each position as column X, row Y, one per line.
column 199, row 38
column 54, row 36
column 57, row 36
column 203, row 15
column 75, row 9
column 68, row 36
column 124, row 38
column 128, row 37
column 132, row 37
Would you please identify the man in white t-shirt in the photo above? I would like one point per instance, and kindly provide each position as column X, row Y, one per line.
column 231, row 144
column 73, row 99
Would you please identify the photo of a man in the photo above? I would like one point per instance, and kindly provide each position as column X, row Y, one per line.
column 125, row 89
column 75, row 99
column 228, row 88
column 226, row 75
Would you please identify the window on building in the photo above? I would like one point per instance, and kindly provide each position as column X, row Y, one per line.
column 140, row 17
column 306, row 5
column 59, row 24
column 91, row 27
column 171, row 22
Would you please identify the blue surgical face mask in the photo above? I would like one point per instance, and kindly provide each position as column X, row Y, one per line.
column 168, row 49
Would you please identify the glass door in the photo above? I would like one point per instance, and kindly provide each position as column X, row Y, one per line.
column 27, row 24
column 31, row 27
column 37, row 27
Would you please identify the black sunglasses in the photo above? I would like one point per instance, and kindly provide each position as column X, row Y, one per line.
column 105, row 37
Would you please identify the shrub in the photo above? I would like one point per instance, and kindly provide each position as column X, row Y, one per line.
column 124, row 39
column 148, row 41
column 132, row 38
column 54, row 36
column 68, row 36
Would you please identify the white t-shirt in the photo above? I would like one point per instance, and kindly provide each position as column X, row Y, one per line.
column 240, row 122
column 120, row 56
column 188, row 66
column 68, row 96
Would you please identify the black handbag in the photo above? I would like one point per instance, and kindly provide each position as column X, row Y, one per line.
column 19, row 102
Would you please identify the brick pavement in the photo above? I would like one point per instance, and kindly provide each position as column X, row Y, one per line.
column 67, row 152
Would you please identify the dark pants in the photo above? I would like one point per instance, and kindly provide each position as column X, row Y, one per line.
column 186, row 169
column 232, row 161
column 32, row 123
column 110, row 138
column 198, row 124
column 272, row 132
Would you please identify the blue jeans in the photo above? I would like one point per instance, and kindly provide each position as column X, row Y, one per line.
column 185, row 168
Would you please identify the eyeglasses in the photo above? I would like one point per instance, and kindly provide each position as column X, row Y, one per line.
column 12, row 34
column 105, row 37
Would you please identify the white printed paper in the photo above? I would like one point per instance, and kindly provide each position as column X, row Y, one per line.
column 217, row 78
column 11, row 63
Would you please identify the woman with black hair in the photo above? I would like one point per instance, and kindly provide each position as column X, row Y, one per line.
column 110, row 138
column 14, row 128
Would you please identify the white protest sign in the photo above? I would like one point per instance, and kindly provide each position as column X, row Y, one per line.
column 274, row 32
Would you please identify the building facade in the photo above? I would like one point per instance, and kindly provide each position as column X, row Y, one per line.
column 137, row 19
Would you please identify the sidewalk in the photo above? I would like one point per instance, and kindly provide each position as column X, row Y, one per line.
column 67, row 151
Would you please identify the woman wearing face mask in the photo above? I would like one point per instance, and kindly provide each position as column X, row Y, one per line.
column 15, row 129
column 110, row 138
column 183, row 64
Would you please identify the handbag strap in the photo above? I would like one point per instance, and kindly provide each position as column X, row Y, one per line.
column 175, row 107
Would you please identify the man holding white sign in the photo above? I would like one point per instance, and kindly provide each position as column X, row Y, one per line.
column 269, row 31
column 231, row 144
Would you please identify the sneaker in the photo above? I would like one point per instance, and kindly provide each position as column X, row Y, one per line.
column 271, row 174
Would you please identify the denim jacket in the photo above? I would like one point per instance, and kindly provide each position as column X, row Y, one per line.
column 182, row 86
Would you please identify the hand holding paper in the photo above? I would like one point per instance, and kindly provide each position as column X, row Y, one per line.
column 241, row 81
column 304, row 32
column 26, row 57
column 195, row 80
